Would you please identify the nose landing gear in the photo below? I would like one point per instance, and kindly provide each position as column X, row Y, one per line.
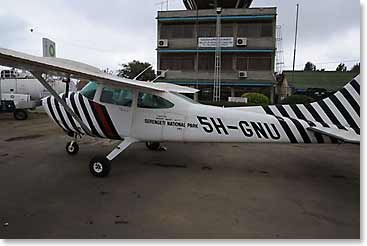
column 72, row 148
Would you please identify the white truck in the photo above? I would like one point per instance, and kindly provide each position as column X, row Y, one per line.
column 19, row 82
column 24, row 91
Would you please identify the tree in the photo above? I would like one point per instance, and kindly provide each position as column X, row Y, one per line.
column 310, row 67
column 132, row 69
column 341, row 68
column 356, row 68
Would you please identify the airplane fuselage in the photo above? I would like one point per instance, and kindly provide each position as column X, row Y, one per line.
column 183, row 121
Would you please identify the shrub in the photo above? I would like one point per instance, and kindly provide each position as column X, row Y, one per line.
column 256, row 99
column 297, row 99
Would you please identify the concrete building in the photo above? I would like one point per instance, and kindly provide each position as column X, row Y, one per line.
column 187, row 40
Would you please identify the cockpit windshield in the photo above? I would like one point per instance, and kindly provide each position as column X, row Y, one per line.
column 89, row 90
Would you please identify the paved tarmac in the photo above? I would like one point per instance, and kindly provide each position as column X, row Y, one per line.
column 189, row 191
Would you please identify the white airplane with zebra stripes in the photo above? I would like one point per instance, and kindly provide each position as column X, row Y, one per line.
column 135, row 111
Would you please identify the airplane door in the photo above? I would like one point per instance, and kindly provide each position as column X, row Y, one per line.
column 148, row 124
column 119, row 103
column 174, row 128
column 154, row 120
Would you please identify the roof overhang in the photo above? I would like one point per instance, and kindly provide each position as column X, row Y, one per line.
column 210, row 4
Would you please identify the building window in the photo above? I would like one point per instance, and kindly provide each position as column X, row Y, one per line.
column 254, row 62
column 248, row 30
column 177, row 62
column 174, row 31
column 255, row 30
column 146, row 100
column 267, row 30
column 227, row 62
column 206, row 62
column 227, row 30
column 206, row 30
column 242, row 62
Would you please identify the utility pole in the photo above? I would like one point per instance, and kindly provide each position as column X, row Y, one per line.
column 218, row 59
column 280, row 51
column 295, row 43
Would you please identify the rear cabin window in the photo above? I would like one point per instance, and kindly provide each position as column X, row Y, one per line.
column 89, row 90
column 121, row 97
column 146, row 100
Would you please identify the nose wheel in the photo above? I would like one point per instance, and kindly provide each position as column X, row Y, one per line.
column 72, row 148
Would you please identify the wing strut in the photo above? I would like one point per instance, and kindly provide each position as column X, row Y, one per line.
column 62, row 102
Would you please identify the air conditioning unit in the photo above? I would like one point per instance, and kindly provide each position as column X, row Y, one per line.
column 242, row 74
column 162, row 73
column 241, row 42
column 163, row 43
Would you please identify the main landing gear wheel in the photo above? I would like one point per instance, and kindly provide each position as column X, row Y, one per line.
column 153, row 145
column 20, row 114
column 100, row 166
column 72, row 148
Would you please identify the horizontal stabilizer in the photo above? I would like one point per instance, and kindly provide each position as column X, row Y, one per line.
column 348, row 136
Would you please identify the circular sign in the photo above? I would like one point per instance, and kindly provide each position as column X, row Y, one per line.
column 51, row 50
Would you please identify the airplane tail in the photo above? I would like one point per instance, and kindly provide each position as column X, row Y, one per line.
column 342, row 109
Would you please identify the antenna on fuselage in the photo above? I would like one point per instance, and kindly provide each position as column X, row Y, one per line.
column 160, row 75
column 142, row 72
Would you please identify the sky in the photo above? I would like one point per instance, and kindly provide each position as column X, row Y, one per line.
column 108, row 33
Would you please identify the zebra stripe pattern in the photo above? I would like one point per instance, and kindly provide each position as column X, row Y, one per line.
column 340, row 110
column 93, row 115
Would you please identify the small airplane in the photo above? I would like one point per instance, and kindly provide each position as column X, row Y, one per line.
column 136, row 111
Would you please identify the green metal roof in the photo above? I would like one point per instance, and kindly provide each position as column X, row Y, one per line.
column 239, row 83
column 329, row 80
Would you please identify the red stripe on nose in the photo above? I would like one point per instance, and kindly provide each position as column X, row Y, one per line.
column 103, row 119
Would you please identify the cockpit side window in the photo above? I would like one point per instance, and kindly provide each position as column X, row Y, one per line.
column 89, row 90
column 122, row 97
column 146, row 100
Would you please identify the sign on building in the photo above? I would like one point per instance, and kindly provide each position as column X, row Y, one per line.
column 238, row 99
column 225, row 42
column 49, row 48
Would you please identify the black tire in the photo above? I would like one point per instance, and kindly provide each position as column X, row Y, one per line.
column 153, row 145
column 72, row 148
column 100, row 166
column 20, row 114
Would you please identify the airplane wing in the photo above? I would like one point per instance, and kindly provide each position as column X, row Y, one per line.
column 77, row 70
column 348, row 136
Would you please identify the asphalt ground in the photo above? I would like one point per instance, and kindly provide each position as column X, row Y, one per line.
column 189, row 191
